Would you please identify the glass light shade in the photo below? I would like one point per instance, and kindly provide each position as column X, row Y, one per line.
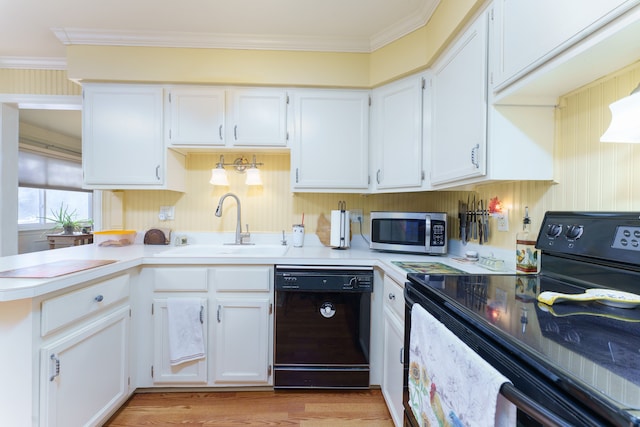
column 625, row 120
column 253, row 176
column 219, row 177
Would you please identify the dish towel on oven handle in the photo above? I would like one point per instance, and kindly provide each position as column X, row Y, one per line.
column 186, row 339
column 450, row 384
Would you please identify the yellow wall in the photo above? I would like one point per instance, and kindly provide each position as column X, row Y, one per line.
column 282, row 68
column 37, row 82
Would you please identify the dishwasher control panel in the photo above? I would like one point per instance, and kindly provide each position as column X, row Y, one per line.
column 324, row 278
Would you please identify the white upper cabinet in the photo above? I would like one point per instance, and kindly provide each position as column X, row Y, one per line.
column 257, row 117
column 459, row 107
column 396, row 135
column 196, row 116
column 330, row 144
column 122, row 144
column 202, row 116
column 554, row 40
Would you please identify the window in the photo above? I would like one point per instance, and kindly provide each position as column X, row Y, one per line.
column 45, row 183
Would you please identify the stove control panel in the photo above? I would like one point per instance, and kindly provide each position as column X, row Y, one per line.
column 613, row 236
column 627, row 238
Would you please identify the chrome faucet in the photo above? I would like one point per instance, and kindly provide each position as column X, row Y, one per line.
column 241, row 238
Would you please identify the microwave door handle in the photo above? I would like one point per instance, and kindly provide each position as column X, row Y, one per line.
column 427, row 232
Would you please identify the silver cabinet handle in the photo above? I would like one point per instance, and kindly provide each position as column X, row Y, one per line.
column 56, row 367
column 220, row 132
column 201, row 314
column 392, row 296
column 378, row 176
column 235, row 132
column 98, row 298
column 297, row 176
column 158, row 172
column 402, row 355
column 218, row 314
column 474, row 156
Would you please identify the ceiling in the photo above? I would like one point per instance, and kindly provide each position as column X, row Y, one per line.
column 40, row 29
column 36, row 32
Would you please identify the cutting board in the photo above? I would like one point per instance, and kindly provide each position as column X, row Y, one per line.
column 54, row 269
column 427, row 267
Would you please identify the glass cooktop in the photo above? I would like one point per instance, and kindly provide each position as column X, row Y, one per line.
column 596, row 346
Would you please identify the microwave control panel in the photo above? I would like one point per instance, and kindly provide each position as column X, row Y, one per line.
column 438, row 233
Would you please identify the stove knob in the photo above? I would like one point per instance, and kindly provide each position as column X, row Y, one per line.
column 554, row 230
column 574, row 232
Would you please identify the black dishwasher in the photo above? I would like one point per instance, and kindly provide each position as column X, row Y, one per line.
column 322, row 326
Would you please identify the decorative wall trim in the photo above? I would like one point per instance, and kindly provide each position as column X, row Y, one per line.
column 31, row 63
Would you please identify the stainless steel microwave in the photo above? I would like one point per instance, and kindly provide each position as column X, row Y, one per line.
column 410, row 232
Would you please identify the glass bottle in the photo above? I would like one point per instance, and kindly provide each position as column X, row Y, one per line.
column 527, row 256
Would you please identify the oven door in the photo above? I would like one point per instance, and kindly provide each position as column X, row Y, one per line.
column 538, row 403
column 322, row 339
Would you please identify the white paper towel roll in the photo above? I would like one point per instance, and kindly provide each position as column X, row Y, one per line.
column 340, row 229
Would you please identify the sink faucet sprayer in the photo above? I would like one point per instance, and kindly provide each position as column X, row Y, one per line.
column 240, row 236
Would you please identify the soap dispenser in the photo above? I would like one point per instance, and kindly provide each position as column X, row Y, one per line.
column 527, row 256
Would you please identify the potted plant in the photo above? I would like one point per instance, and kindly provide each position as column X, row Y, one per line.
column 65, row 220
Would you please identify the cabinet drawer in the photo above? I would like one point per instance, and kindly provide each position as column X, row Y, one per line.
column 65, row 309
column 242, row 279
column 180, row 279
column 394, row 296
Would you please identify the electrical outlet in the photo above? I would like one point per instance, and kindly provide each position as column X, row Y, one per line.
column 356, row 216
column 166, row 213
column 502, row 220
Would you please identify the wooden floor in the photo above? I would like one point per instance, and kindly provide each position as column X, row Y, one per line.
column 304, row 408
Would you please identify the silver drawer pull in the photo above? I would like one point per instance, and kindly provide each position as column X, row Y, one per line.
column 392, row 296
column 56, row 369
column 202, row 314
column 99, row 298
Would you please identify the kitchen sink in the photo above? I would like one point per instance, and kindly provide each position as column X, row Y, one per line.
column 222, row 250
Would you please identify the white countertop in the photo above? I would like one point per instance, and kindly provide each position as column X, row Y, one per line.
column 313, row 253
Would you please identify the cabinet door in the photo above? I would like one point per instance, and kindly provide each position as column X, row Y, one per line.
column 459, row 94
column 330, row 146
column 196, row 116
column 122, row 135
column 258, row 117
column 397, row 134
column 163, row 372
column 242, row 350
column 393, row 366
column 531, row 32
column 84, row 376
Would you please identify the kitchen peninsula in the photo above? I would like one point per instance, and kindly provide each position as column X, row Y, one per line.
column 97, row 321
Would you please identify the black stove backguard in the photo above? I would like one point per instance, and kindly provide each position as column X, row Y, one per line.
column 588, row 354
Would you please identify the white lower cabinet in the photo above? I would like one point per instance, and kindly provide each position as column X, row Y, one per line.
column 241, row 351
column 84, row 375
column 195, row 371
column 393, row 344
column 237, row 325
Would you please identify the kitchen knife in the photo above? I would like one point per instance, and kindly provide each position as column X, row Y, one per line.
column 485, row 222
column 463, row 222
column 480, row 222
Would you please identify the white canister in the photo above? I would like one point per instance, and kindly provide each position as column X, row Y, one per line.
column 298, row 235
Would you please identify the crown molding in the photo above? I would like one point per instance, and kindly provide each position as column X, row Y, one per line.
column 84, row 36
column 403, row 27
column 33, row 63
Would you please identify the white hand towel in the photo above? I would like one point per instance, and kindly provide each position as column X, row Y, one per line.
column 449, row 384
column 186, row 340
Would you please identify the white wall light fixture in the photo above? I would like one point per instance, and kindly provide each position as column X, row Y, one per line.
column 625, row 120
column 241, row 165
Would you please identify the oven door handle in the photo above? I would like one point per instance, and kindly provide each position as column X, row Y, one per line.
column 527, row 405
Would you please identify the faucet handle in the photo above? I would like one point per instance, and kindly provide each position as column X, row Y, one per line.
column 244, row 237
column 284, row 239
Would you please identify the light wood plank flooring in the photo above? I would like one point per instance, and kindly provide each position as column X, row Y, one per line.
column 304, row 408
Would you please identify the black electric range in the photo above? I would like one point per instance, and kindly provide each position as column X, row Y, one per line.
column 583, row 359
